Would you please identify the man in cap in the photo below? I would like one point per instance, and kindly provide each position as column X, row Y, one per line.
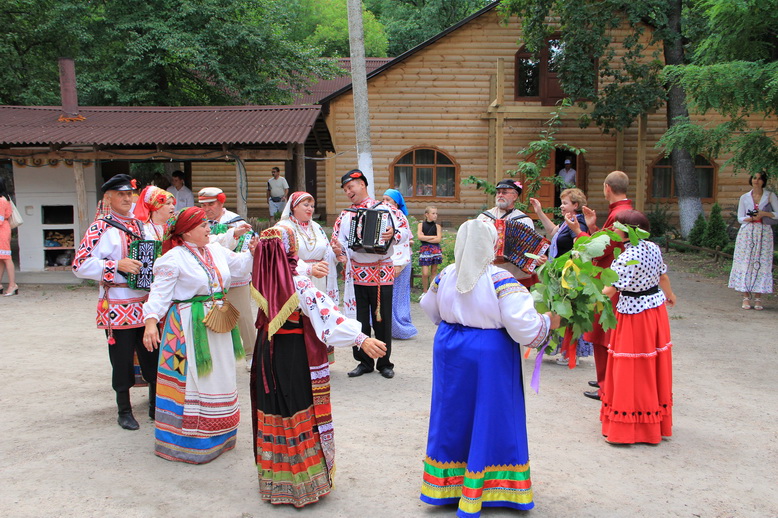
column 567, row 174
column 102, row 257
column 212, row 200
column 505, row 199
column 369, row 277
column 184, row 196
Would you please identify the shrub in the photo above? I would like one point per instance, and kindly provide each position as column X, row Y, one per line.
column 716, row 231
column 698, row 231
column 659, row 221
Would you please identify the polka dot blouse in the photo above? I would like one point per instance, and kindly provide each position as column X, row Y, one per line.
column 639, row 277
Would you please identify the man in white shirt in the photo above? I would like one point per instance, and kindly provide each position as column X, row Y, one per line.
column 212, row 201
column 567, row 174
column 184, row 196
column 277, row 191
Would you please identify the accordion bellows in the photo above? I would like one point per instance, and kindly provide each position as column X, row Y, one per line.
column 516, row 239
column 146, row 251
column 367, row 225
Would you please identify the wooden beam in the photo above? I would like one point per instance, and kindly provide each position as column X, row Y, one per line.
column 241, row 188
column 640, row 173
column 146, row 154
column 500, row 81
column 81, row 208
column 491, row 166
column 532, row 112
column 499, row 148
column 299, row 155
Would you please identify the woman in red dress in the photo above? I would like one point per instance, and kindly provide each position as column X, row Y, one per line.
column 637, row 397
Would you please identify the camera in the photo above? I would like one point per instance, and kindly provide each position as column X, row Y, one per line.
column 752, row 213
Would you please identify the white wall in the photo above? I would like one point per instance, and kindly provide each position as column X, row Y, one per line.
column 48, row 185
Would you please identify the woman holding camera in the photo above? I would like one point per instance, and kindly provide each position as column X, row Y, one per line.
column 752, row 266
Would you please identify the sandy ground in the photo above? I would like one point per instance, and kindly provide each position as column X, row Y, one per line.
column 64, row 455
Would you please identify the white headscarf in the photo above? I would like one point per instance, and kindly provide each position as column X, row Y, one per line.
column 473, row 252
column 293, row 201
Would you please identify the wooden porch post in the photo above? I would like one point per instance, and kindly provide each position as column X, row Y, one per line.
column 241, row 190
column 299, row 161
column 78, row 175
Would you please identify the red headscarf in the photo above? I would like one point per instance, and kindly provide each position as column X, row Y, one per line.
column 274, row 263
column 181, row 223
column 151, row 199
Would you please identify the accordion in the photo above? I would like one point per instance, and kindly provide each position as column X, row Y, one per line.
column 514, row 239
column 146, row 251
column 367, row 225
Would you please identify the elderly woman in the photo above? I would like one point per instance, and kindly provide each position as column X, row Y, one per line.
column 290, row 377
column 477, row 451
column 153, row 208
column 197, row 411
column 315, row 258
column 752, row 266
column 402, row 327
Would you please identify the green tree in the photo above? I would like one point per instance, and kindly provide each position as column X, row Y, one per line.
column 698, row 230
column 155, row 52
column 632, row 76
column 324, row 24
column 735, row 72
column 411, row 22
column 715, row 235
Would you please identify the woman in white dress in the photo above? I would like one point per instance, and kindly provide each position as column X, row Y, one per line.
column 153, row 208
column 752, row 265
column 197, row 412
column 315, row 257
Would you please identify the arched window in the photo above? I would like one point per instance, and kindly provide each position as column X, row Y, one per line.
column 661, row 180
column 425, row 173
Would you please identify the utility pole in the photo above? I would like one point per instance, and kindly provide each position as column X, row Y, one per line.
column 356, row 38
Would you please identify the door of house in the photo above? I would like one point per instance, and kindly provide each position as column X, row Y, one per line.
column 548, row 195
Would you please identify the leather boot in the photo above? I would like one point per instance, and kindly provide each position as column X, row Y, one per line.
column 126, row 419
column 152, row 400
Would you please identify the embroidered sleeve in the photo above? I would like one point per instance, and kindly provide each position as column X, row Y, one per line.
column 92, row 260
column 523, row 323
column 166, row 273
column 505, row 284
column 330, row 325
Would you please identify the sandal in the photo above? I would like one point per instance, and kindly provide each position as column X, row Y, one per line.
column 746, row 303
column 758, row 304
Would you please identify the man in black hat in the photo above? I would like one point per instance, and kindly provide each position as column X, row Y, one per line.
column 369, row 277
column 505, row 199
column 102, row 257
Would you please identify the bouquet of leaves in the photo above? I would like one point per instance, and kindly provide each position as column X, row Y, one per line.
column 571, row 285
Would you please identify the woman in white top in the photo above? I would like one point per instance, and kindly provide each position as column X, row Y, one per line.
column 315, row 257
column 197, row 412
column 477, row 452
column 752, row 265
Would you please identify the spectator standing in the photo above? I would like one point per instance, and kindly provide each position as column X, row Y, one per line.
column 277, row 191
column 183, row 194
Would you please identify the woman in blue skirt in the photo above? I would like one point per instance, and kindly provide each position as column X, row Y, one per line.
column 477, row 452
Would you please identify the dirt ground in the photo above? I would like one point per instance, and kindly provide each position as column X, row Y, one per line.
column 64, row 455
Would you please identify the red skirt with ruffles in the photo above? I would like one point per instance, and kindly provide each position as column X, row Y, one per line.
column 637, row 398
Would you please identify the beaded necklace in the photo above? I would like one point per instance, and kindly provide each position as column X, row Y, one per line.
column 206, row 262
column 308, row 239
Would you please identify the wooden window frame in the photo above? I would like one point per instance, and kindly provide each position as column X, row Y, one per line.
column 544, row 82
column 415, row 166
column 674, row 198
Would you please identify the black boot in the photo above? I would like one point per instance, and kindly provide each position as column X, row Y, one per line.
column 152, row 400
column 126, row 419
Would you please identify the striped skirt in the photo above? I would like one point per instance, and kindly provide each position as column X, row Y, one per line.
column 197, row 417
column 477, row 454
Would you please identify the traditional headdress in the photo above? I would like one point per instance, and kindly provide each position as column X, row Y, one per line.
column 398, row 199
column 273, row 278
column 151, row 199
column 294, row 200
column 209, row 194
column 473, row 252
column 181, row 223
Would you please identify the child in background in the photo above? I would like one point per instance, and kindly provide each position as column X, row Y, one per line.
column 430, row 255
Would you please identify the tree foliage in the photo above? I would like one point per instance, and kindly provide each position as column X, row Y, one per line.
column 324, row 24
column 155, row 52
column 698, row 230
column 411, row 22
column 715, row 235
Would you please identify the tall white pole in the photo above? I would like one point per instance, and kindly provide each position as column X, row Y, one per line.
column 359, row 88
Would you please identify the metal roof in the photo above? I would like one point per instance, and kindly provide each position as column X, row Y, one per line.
column 326, row 87
column 163, row 125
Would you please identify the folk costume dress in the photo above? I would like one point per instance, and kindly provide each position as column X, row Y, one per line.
column 402, row 326
column 430, row 253
column 477, row 453
column 290, row 382
column 637, row 395
column 5, row 228
column 753, row 258
column 197, row 395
